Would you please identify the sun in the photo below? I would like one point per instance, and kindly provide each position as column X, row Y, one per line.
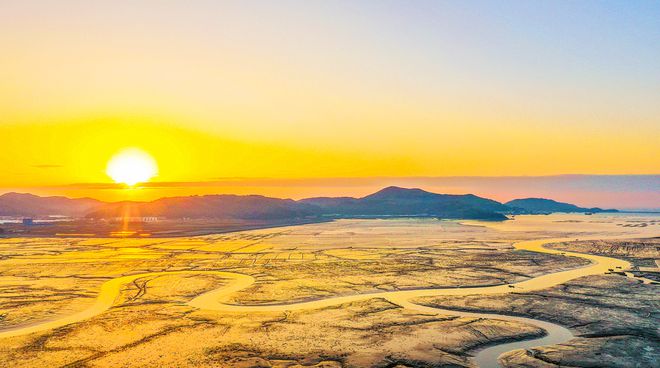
column 131, row 166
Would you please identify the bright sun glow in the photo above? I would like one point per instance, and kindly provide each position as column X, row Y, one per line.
column 131, row 166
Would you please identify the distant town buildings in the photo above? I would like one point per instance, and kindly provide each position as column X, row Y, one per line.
column 138, row 219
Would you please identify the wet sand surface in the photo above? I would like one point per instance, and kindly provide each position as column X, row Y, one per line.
column 322, row 243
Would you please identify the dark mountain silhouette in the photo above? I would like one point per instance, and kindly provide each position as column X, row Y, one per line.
column 395, row 201
column 250, row 207
column 388, row 202
column 543, row 205
column 29, row 205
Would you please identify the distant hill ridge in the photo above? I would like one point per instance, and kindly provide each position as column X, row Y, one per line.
column 543, row 205
column 388, row 202
column 29, row 205
column 395, row 201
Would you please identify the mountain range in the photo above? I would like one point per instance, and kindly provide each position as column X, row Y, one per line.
column 388, row 202
column 543, row 205
column 30, row 205
column 395, row 201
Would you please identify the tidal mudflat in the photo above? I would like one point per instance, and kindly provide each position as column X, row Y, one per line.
column 352, row 293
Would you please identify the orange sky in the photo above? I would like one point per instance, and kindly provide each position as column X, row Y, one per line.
column 303, row 90
column 78, row 151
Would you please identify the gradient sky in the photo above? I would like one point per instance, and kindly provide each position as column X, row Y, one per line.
column 322, row 89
